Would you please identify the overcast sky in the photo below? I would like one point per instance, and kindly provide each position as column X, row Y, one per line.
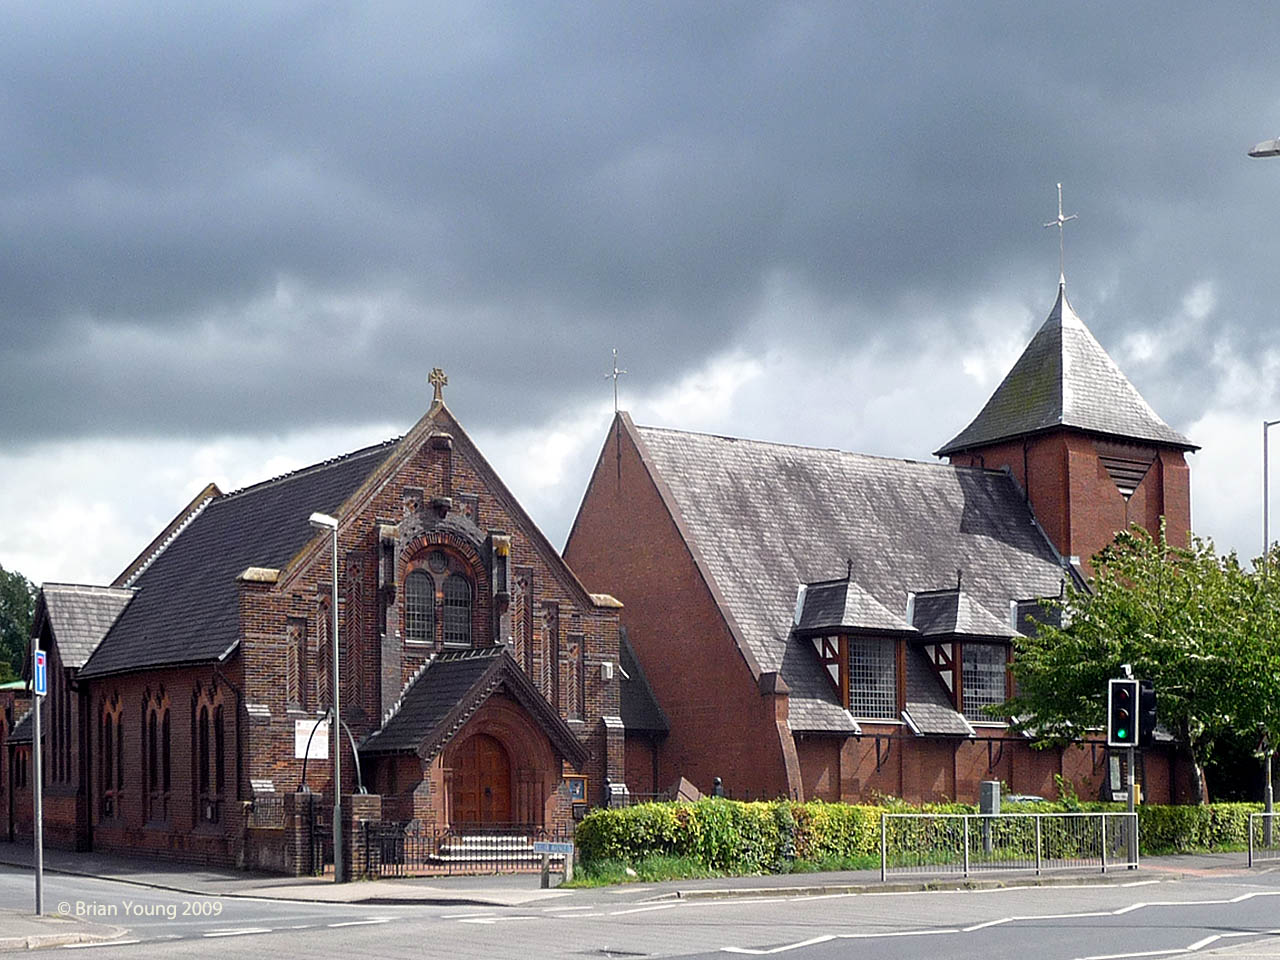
column 234, row 242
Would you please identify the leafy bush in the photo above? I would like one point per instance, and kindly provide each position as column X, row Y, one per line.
column 727, row 837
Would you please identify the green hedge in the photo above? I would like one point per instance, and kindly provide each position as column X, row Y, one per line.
column 732, row 837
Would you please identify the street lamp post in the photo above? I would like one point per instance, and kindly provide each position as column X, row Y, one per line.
column 322, row 521
column 1268, row 796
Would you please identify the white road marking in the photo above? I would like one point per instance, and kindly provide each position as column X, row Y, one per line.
column 108, row 943
column 659, row 906
column 237, row 933
column 463, row 916
column 1141, row 883
column 987, row 923
column 564, row 909
column 359, row 923
column 783, row 949
column 492, row 920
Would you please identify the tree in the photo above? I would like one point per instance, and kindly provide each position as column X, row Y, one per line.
column 17, row 608
column 1183, row 618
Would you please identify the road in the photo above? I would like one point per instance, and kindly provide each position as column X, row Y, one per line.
column 1047, row 923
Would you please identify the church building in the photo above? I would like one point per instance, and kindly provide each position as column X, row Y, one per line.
column 479, row 679
column 822, row 624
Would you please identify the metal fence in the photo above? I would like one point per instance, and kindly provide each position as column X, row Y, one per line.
column 959, row 843
column 414, row 849
column 267, row 812
column 1264, row 838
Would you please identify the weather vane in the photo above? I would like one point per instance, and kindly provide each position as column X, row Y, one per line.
column 1062, row 273
column 614, row 376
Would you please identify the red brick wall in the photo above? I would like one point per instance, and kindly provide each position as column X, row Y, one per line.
column 1074, row 499
column 266, row 610
column 624, row 542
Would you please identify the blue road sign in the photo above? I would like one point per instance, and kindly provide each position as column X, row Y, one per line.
column 546, row 846
column 40, row 683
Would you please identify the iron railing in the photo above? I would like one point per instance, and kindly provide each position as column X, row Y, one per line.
column 267, row 812
column 1264, row 838
column 963, row 843
column 415, row 849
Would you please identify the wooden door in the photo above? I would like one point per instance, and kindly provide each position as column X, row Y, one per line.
column 481, row 782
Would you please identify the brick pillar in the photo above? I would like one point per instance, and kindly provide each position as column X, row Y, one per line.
column 296, row 835
column 357, row 809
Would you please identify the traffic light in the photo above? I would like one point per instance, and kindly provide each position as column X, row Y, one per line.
column 1146, row 713
column 1122, row 713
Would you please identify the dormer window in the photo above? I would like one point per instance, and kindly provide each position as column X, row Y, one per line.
column 873, row 677
column 984, row 673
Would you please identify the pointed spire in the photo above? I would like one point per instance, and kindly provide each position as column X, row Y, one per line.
column 1065, row 378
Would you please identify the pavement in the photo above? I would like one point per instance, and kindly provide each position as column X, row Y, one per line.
column 518, row 889
column 21, row 930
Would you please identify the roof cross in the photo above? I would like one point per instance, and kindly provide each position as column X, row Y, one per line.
column 1062, row 274
column 439, row 381
column 614, row 376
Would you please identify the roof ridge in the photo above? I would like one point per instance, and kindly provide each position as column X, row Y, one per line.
column 186, row 521
column 97, row 587
column 312, row 468
column 930, row 464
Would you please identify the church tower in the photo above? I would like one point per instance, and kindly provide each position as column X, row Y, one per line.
column 1090, row 454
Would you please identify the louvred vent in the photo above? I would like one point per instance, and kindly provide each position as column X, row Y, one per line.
column 1126, row 465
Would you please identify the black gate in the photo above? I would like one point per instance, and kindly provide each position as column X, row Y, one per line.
column 413, row 849
column 318, row 816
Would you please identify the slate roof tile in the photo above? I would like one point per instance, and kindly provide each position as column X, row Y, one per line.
column 1065, row 378
column 639, row 707
column 767, row 517
column 81, row 615
column 437, row 703
column 185, row 608
column 954, row 612
column 838, row 605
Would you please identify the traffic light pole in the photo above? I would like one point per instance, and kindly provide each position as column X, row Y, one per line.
column 1133, row 820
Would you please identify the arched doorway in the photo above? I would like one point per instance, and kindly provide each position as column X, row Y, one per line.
column 481, row 782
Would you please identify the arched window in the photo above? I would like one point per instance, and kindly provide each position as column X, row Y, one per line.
column 210, row 754
column 111, row 758
column 219, row 764
column 203, row 751
column 419, row 607
column 108, row 736
column 457, row 610
column 164, row 761
column 155, row 746
column 153, row 760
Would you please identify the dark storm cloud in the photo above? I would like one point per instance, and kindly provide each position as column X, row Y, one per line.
column 210, row 216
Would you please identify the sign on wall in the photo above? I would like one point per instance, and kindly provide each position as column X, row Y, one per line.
column 319, row 740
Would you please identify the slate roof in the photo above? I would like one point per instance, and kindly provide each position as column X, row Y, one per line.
column 1065, row 379
column 929, row 710
column 940, row 612
column 448, row 690
column 763, row 518
column 185, row 608
column 843, row 605
column 639, row 707
column 80, row 616
column 24, row 730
